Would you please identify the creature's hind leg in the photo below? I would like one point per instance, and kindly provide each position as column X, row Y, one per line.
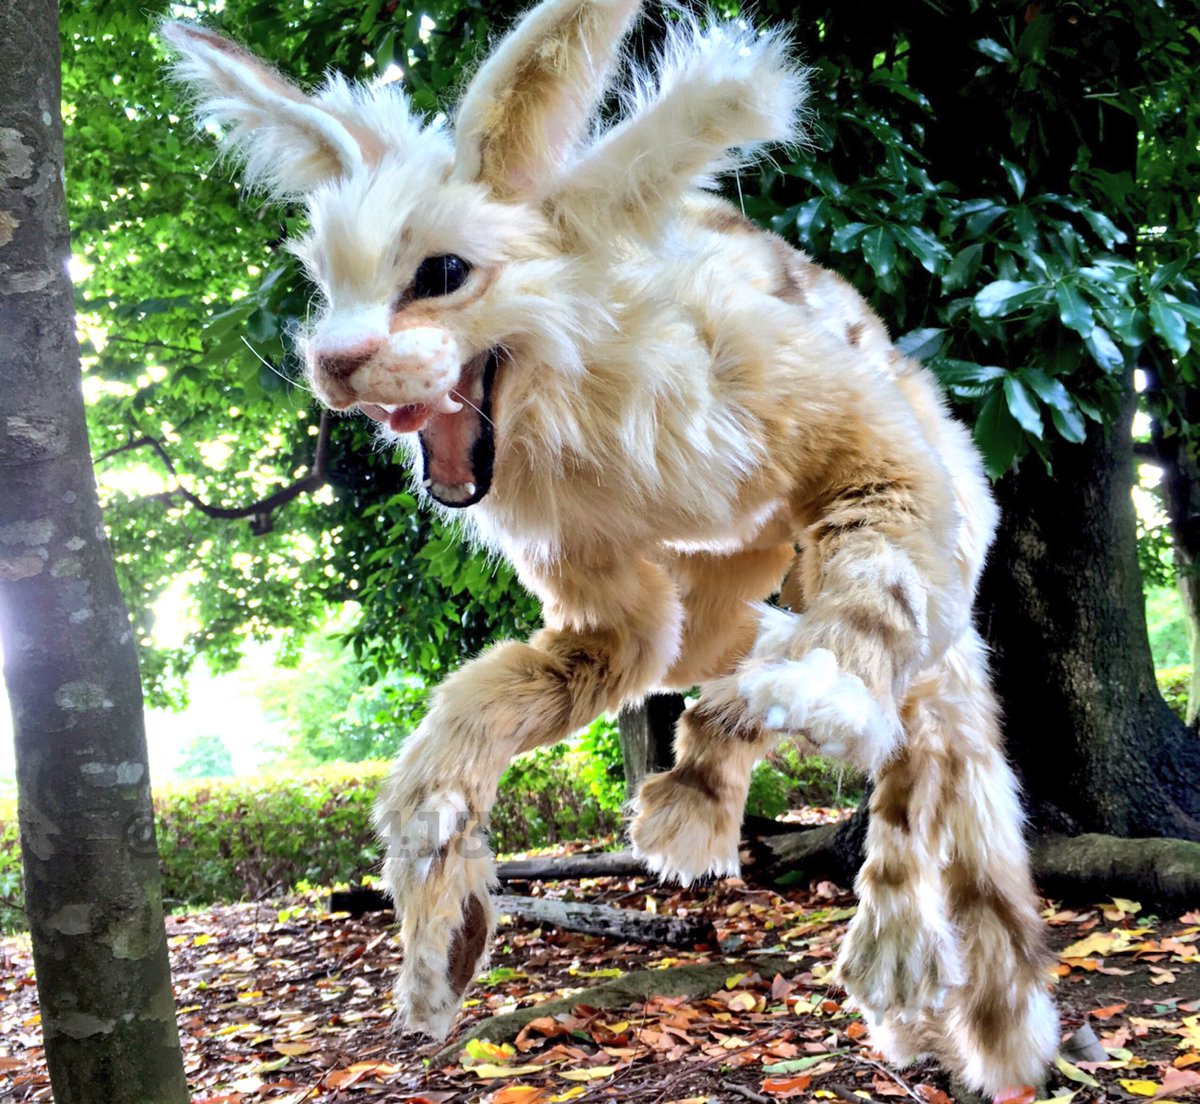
column 950, row 802
column 901, row 953
column 1001, row 1023
column 688, row 820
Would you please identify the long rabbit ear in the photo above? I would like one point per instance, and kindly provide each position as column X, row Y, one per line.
column 534, row 97
column 289, row 143
column 719, row 92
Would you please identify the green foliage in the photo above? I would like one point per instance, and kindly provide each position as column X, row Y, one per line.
column 988, row 206
column 12, row 882
column 236, row 838
column 789, row 779
column 327, row 713
column 1167, row 625
column 1173, row 683
column 205, row 756
column 1013, row 188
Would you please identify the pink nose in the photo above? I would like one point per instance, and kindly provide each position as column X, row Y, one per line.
column 341, row 364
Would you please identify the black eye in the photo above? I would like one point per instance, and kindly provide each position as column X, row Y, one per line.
column 439, row 276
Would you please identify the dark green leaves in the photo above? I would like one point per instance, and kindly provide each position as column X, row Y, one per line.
column 1002, row 297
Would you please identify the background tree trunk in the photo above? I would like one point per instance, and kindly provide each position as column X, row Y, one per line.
column 1098, row 748
column 87, row 831
column 646, row 732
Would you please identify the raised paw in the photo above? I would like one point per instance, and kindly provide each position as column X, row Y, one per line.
column 439, row 871
column 834, row 709
column 687, row 825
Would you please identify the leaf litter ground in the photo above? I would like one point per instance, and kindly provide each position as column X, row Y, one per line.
column 286, row 1004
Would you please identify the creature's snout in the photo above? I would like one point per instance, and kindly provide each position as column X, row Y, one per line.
column 341, row 364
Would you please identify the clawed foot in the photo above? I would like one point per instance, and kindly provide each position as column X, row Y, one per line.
column 439, row 870
column 830, row 707
column 686, row 825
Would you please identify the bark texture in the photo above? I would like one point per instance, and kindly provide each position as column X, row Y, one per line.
column 87, row 830
column 623, row 925
column 647, row 730
column 1098, row 748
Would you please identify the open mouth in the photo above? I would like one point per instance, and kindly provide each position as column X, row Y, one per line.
column 458, row 445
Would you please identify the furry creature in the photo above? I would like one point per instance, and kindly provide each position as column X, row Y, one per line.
column 660, row 414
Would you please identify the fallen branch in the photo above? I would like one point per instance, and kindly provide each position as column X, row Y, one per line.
column 600, row 864
column 624, row 925
column 629, row 989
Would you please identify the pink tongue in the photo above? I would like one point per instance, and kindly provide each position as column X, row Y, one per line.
column 449, row 440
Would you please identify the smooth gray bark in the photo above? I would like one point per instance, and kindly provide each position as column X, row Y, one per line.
column 87, row 830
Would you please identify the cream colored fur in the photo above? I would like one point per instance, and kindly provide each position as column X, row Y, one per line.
column 686, row 410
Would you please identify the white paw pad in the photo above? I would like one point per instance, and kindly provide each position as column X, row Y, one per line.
column 832, row 708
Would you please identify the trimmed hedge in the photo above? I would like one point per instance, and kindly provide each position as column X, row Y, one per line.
column 236, row 838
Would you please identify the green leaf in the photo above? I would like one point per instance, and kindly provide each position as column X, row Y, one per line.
column 997, row 435
column 1016, row 177
column 1022, row 406
column 1105, row 352
column 924, row 246
column 1170, row 325
column 921, row 344
column 844, row 238
column 1050, row 391
column 796, row 1065
column 1104, row 227
column 963, row 268
column 1074, row 311
column 989, row 47
column 955, row 372
column 879, row 249
column 1004, row 296
column 1069, row 424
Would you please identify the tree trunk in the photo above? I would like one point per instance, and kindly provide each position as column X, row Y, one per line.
column 646, row 731
column 1098, row 748
column 87, row 830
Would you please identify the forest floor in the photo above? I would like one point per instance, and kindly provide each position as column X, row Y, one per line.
column 283, row 1003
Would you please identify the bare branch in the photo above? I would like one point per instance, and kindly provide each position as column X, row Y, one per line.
column 259, row 512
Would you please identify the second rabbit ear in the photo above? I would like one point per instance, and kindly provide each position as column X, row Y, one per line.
column 290, row 143
column 534, row 97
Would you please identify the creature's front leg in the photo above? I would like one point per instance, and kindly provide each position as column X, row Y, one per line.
column 515, row 697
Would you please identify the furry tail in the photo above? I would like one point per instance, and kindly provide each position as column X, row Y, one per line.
column 946, row 955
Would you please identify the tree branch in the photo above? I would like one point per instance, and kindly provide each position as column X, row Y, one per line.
column 259, row 512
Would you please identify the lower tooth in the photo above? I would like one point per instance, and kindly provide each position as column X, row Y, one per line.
column 469, row 489
column 427, row 483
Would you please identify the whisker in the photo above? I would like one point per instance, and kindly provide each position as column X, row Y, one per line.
column 463, row 398
column 283, row 376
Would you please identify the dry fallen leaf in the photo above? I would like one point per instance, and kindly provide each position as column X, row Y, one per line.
column 786, row 1086
column 1139, row 1088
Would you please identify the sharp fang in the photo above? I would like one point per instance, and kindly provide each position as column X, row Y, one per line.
column 469, row 489
column 446, row 405
column 427, row 483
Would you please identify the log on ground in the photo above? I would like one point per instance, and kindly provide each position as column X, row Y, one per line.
column 623, row 925
column 629, row 989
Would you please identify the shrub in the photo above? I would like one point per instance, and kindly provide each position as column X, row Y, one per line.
column 228, row 839
column 1173, row 685
column 233, row 838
